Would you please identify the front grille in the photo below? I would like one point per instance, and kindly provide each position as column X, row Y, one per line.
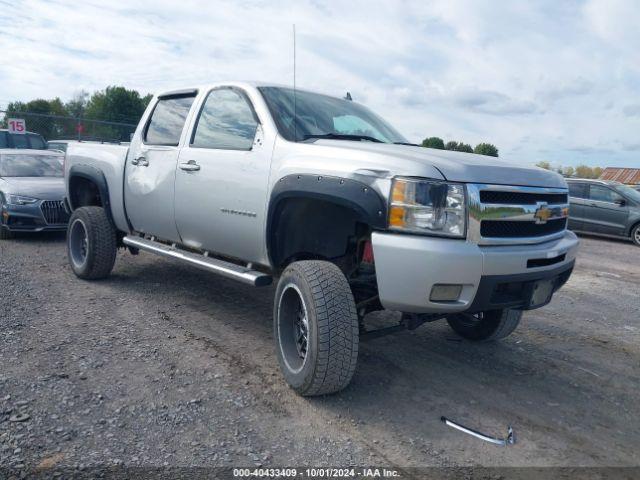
column 54, row 212
column 520, row 198
column 518, row 229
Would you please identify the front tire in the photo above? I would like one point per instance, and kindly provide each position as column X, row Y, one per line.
column 315, row 328
column 485, row 326
column 635, row 235
column 91, row 243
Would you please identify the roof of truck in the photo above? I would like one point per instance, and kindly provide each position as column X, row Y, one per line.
column 239, row 83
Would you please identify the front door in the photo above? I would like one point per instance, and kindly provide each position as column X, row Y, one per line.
column 222, row 178
column 605, row 211
column 151, row 169
column 578, row 193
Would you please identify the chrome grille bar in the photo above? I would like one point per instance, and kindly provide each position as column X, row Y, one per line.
column 526, row 222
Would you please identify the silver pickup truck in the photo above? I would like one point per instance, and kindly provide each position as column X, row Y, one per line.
column 257, row 182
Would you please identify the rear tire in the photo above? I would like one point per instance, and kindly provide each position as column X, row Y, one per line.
column 315, row 328
column 635, row 235
column 5, row 233
column 485, row 326
column 91, row 243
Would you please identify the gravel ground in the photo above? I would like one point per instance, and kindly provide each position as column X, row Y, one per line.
column 164, row 365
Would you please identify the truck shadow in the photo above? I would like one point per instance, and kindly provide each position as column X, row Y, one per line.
column 405, row 382
column 36, row 237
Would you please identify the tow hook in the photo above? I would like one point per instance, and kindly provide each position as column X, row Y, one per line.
column 509, row 440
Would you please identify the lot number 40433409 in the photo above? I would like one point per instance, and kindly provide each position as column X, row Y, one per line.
column 17, row 125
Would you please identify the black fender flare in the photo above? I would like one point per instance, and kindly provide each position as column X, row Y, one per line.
column 369, row 205
column 97, row 177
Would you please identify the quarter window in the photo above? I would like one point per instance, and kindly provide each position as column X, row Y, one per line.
column 227, row 122
column 603, row 194
column 577, row 190
column 167, row 120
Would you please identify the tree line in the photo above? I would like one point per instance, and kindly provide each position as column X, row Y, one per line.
column 95, row 115
column 581, row 171
column 481, row 148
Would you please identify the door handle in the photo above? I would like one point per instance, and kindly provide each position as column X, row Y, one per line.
column 190, row 166
column 141, row 161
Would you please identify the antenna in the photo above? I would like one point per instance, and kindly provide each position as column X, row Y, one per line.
column 295, row 110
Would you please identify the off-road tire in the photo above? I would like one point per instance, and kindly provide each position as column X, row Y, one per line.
column 635, row 235
column 332, row 333
column 101, row 243
column 487, row 326
column 5, row 233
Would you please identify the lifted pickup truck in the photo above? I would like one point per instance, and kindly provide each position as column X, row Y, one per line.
column 256, row 182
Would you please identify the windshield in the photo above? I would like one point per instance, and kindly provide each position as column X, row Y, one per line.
column 629, row 192
column 324, row 116
column 31, row 166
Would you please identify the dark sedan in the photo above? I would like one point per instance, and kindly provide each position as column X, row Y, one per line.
column 604, row 207
column 31, row 192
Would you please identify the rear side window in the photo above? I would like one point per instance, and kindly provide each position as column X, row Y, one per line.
column 577, row 190
column 167, row 120
column 226, row 122
column 4, row 141
column 19, row 140
column 36, row 141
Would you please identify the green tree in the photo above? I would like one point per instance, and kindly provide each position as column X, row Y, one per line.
column 114, row 104
column 451, row 145
column 486, row 149
column 583, row 171
column 597, row 172
column 34, row 113
column 544, row 164
column 568, row 171
column 458, row 146
column 433, row 142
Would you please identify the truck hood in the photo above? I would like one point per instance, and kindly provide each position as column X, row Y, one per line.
column 45, row 188
column 454, row 166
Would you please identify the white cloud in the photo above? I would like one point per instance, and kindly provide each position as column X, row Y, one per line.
column 549, row 80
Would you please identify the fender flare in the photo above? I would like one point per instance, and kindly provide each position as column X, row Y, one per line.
column 370, row 206
column 95, row 176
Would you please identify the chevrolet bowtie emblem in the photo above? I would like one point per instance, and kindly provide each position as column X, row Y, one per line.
column 543, row 213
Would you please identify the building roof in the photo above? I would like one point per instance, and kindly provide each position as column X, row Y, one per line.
column 630, row 176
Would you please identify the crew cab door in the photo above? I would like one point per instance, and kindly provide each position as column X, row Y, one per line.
column 222, row 178
column 150, row 171
column 605, row 211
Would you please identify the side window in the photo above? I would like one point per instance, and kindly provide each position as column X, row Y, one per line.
column 167, row 120
column 4, row 141
column 19, row 141
column 603, row 194
column 577, row 190
column 36, row 141
column 226, row 122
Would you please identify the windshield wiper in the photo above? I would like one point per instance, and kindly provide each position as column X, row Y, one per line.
column 407, row 143
column 343, row 136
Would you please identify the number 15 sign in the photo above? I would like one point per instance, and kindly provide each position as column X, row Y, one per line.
column 17, row 125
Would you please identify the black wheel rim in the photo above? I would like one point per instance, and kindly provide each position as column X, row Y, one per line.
column 293, row 328
column 78, row 243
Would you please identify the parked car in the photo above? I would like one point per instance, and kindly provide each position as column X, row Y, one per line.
column 31, row 192
column 604, row 207
column 325, row 196
column 29, row 140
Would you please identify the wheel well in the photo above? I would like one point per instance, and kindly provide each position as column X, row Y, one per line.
column 308, row 228
column 84, row 193
column 633, row 226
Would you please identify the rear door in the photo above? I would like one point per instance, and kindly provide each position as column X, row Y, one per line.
column 578, row 193
column 151, row 168
column 605, row 212
column 222, row 178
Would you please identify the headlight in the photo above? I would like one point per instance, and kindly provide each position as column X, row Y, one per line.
column 20, row 200
column 430, row 207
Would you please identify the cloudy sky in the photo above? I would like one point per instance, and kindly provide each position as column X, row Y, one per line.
column 543, row 80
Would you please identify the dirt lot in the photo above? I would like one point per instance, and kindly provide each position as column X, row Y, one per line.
column 162, row 364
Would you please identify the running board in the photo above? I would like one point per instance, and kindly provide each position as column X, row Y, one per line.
column 221, row 267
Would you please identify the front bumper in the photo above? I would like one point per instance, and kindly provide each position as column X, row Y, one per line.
column 492, row 277
column 31, row 218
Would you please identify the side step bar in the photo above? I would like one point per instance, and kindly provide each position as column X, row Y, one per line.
column 221, row 267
